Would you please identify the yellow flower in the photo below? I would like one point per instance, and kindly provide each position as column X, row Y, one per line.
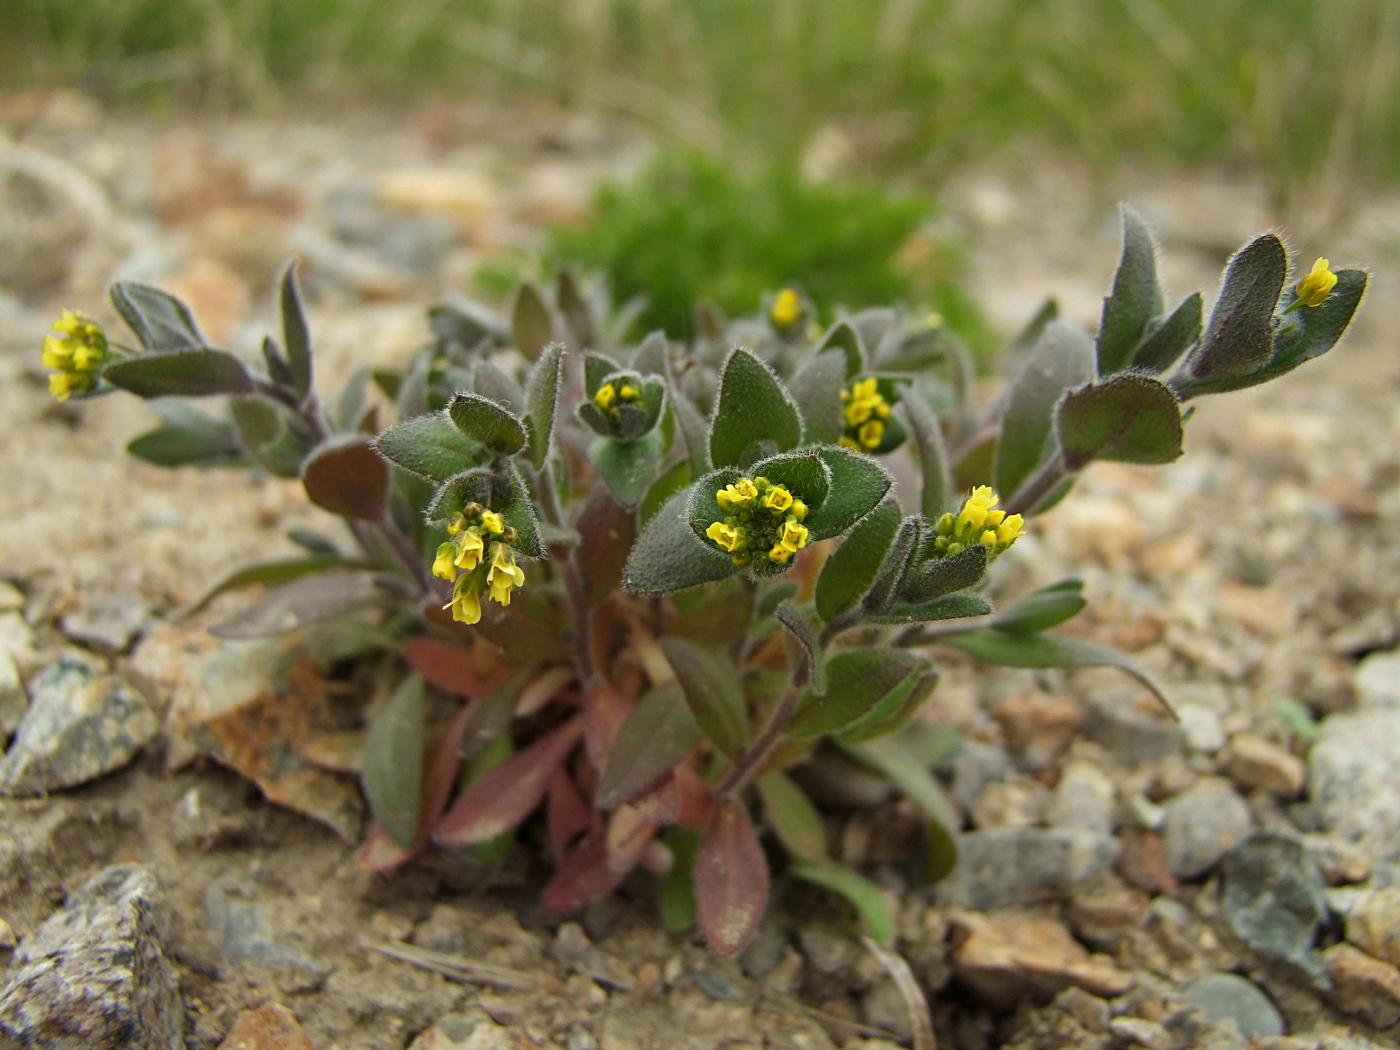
column 870, row 433
column 505, row 575
column 493, row 522
column 738, row 496
column 63, row 385
column 443, row 564
column 469, row 548
column 792, row 536
column 726, row 537
column 977, row 522
column 456, row 525
column 76, row 356
column 780, row 555
column 798, row 510
column 605, row 397
column 629, row 393
column 786, row 309
column 1009, row 531
column 1314, row 289
column 864, row 414
column 466, row 599
column 778, row 498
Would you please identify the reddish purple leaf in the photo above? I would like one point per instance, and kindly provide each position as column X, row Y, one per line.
column 381, row 853
column 505, row 795
column 697, row 803
column 584, row 876
column 630, row 831
column 347, row 476
column 604, row 711
column 731, row 880
column 452, row 668
column 566, row 814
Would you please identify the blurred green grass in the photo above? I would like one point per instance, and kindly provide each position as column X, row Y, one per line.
column 1306, row 92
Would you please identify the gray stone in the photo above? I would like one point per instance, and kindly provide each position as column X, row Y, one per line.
column 94, row 976
column 573, row 948
column 233, row 912
column 1083, row 799
column 1227, row 996
column 470, row 1030
column 1128, row 734
column 714, row 984
column 1352, row 783
column 1201, row 728
column 80, row 724
column 108, row 622
column 1000, row 867
column 1201, row 825
column 1273, row 897
column 1377, row 680
column 14, row 701
column 765, row 951
column 580, row 1038
column 1137, row 1031
column 974, row 766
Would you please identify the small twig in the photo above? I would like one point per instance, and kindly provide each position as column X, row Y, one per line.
column 915, row 1002
column 457, row 968
column 762, row 748
column 1036, row 487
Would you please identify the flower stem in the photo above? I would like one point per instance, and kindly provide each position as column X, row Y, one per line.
column 762, row 747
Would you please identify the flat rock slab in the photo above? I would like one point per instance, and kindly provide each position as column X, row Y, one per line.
column 95, row 976
column 81, row 723
column 1000, row 867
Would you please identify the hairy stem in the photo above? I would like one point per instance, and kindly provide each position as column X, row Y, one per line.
column 575, row 597
column 763, row 745
column 1036, row 487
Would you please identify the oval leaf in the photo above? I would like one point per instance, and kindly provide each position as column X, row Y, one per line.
column 1127, row 419
column 531, row 325
column 311, row 599
column 162, row 323
column 858, row 484
column 295, row 331
column 392, row 764
column 1169, row 340
column 668, row 556
column 1043, row 609
column 1240, row 336
column 793, row 818
column 347, row 476
column 731, row 880
column 431, row 447
column 181, row 373
column 712, row 691
column 541, row 400
column 754, row 414
column 1136, row 297
column 482, row 420
column 658, row 733
column 859, row 684
column 933, row 456
column 867, row 897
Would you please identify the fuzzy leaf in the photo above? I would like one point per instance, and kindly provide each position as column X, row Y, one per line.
column 895, row 714
column 531, row 325
column 295, row 331
column 867, row 897
column 495, row 385
column 449, row 667
column 1313, row 330
column 893, row 569
column 668, row 556
column 1240, row 337
column 994, row 646
column 933, row 458
column 817, row 391
column 596, row 370
column 939, row 576
column 504, row 796
column 280, row 570
column 856, row 683
column 162, row 323
column 1163, row 345
column 481, row 419
column 793, row 818
column 518, row 511
column 627, row 466
column 187, row 436
column 712, row 691
column 607, row 530
column 346, row 476
column 301, row 602
column 949, row 607
column 798, row 621
column 1043, row 609
column 471, row 486
column 851, row 568
column 731, row 880
column 662, row 489
column 574, row 307
column 430, row 447
column 1061, row 360
column 180, row 373
column 392, row 765
column 1136, row 297
column 858, row 484
column 842, row 337
column 659, row 732
column 265, row 432
column 694, row 429
column 1128, row 418
column 542, row 399
column 754, row 414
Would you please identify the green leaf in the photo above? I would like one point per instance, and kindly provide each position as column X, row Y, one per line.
column 1136, row 297
column 517, row 510
column 1128, row 418
column 1062, row 359
column 392, row 764
column 532, row 327
column 858, row 484
column 495, row 385
column 810, row 667
column 1313, row 330
column 949, row 607
column 180, row 373
column 346, row 476
column 994, row 646
column 889, row 756
column 842, row 337
column 1163, row 345
column 279, row 369
column 574, row 307
column 1240, row 336
column 939, row 576
column 265, row 430
column 1028, row 336
column 430, row 447
column 694, row 429
column 627, row 466
column 162, row 323
column 805, row 475
column 541, row 400
column 280, row 570
column 187, row 436
column 933, row 458
column 792, row 817
column 712, row 691
column 471, row 486
column 663, row 488
column 295, row 332
column 481, row 419
column 850, row 569
column 754, row 414
column 867, row 897
column 659, row 732
column 1043, row 609
column 596, row 369
column 857, row 683
column 668, row 556
column 675, row 893
column 894, row 568
column 895, row 714
column 817, row 391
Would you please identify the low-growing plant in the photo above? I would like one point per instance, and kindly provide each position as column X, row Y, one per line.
column 665, row 576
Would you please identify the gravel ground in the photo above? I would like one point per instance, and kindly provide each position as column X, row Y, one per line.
column 1258, row 577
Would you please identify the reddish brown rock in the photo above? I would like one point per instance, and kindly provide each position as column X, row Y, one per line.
column 270, row 1027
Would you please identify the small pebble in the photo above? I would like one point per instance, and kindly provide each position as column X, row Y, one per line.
column 1222, row 996
column 1135, row 1031
column 1373, row 924
column 1253, row 762
column 1201, row 825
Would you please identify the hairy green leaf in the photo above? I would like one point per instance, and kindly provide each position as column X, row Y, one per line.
column 857, row 682
column 1043, row 609
column 1240, row 336
column 162, row 323
column 626, row 466
column 939, row 576
column 805, row 635
column 482, row 420
column 712, row 691
column 1136, row 297
column 1127, row 418
column 851, row 568
column 933, row 458
column 668, row 556
column 858, row 484
column 430, row 447
column 532, row 327
column 754, row 414
column 180, row 373
column 792, row 817
column 842, row 337
column 392, row 765
column 1163, row 345
column 817, row 390
column 295, row 331
column 541, row 400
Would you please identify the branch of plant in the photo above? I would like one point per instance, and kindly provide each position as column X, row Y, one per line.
column 575, row 596
column 1036, row 487
column 763, row 745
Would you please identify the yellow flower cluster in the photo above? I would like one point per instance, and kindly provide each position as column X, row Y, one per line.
column 864, row 413
column 76, row 355
column 759, row 517
column 478, row 560
column 1317, row 285
column 786, row 310
column 978, row 522
column 610, row 395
